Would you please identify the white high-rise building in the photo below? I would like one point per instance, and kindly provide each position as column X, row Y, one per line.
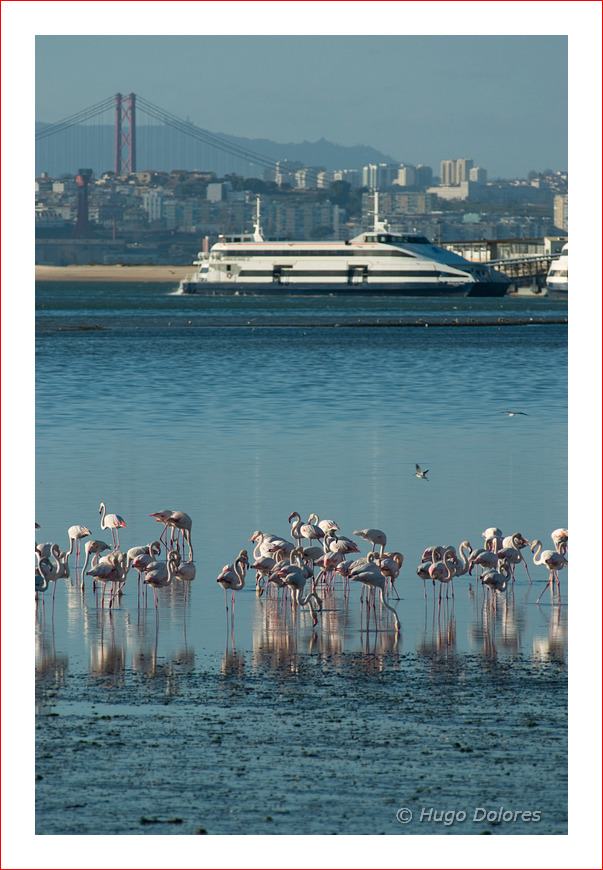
column 407, row 176
column 151, row 203
column 448, row 173
column 463, row 166
column 560, row 211
column 479, row 175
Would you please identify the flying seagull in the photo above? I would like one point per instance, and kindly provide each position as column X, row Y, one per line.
column 514, row 413
column 419, row 473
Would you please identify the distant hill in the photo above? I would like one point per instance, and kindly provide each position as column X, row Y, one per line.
column 164, row 149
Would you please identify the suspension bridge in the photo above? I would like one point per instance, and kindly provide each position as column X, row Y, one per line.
column 127, row 134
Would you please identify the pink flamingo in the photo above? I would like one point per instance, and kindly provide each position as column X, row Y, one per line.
column 335, row 543
column 76, row 533
column 159, row 575
column 423, row 572
column 232, row 577
column 301, row 530
column 111, row 521
column 185, row 571
column 151, row 551
column 483, row 558
column 496, row 581
column 263, row 542
column 94, row 548
column 559, row 537
column 325, row 525
column 109, row 569
column 374, row 536
column 48, row 571
column 443, row 571
column 295, row 578
column 182, row 523
column 370, row 575
column 162, row 516
column 390, row 566
column 554, row 561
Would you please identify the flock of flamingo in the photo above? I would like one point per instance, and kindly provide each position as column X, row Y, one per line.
column 312, row 556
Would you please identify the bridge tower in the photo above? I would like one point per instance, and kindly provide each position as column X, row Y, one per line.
column 125, row 134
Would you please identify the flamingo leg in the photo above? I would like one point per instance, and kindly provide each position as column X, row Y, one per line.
column 545, row 588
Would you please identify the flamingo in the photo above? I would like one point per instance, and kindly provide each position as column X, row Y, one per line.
column 370, row 575
column 432, row 554
column 295, row 577
column 553, row 560
column 325, row 525
column 185, row 571
column 327, row 563
column 443, row 571
column 263, row 568
column 183, row 523
column 510, row 557
column 496, row 581
column 518, row 541
column 390, row 566
column 162, row 516
column 334, row 543
column 263, row 542
column 159, row 575
column 151, row 550
column 374, row 536
column 484, row 558
column 47, row 570
column 109, row 569
column 44, row 550
column 559, row 537
column 76, row 533
column 279, row 548
column 111, row 521
column 41, row 583
column 461, row 561
column 301, row 530
column 420, row 473
column 95, row 548
column 492, row 532
column 423, row 573
column 232, row 576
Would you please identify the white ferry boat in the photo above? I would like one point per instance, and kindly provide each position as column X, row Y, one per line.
column 375, row 262
column 556, row 280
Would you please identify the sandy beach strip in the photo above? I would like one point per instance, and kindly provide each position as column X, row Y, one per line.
column 167, row 274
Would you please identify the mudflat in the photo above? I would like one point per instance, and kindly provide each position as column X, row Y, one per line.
column 168, row 274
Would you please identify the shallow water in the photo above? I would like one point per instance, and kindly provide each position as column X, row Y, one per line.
column 239, row 418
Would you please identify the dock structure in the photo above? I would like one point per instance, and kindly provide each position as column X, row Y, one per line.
column 525, row 261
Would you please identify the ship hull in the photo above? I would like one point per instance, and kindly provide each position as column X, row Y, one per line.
column 410, row 289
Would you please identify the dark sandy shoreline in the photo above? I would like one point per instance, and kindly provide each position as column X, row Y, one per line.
column 308, row 744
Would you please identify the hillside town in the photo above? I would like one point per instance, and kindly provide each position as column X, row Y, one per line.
column 160, row 218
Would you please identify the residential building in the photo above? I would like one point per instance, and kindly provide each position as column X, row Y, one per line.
column 560, row 212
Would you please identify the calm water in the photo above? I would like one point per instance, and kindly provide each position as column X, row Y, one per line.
column 240, row 411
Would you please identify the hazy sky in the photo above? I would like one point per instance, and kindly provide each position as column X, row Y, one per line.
column 501, row 100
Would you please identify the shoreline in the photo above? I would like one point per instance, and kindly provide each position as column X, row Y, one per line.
column 163, row 274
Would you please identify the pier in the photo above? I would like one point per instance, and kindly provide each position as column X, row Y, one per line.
column 525, row 261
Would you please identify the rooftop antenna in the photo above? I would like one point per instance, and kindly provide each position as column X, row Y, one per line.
column 378, row 226
column 258, row 236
